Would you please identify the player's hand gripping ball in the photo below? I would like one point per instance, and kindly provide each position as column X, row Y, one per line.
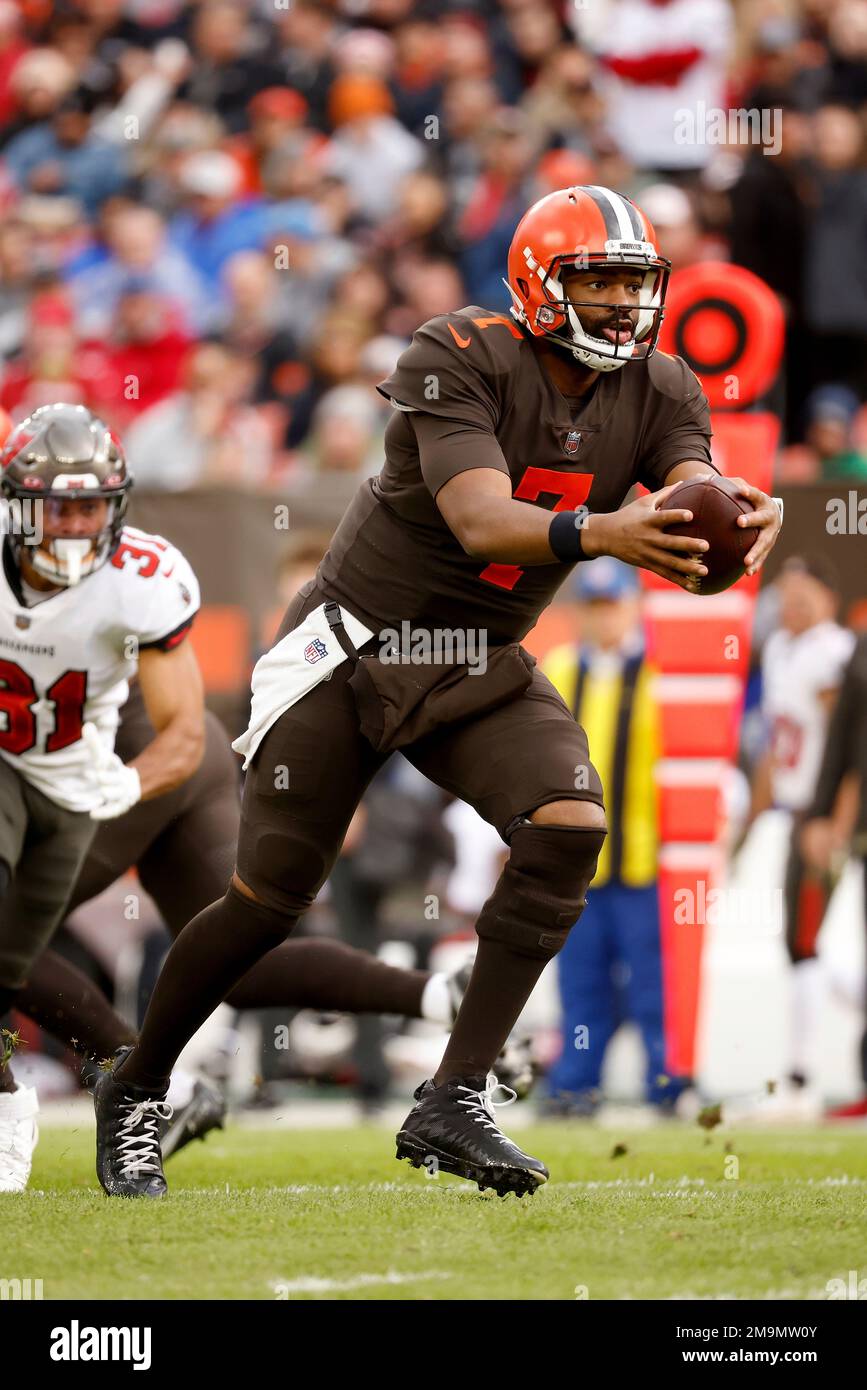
column 717, row 504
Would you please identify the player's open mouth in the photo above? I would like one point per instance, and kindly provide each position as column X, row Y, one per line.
column 618, row 335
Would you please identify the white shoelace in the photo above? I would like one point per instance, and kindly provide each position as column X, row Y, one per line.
column 481, row 1105
column 140, row 1146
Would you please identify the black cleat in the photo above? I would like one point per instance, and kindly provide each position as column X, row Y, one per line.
column 128, row 1162
column 204, row 1111
column 452, row 1128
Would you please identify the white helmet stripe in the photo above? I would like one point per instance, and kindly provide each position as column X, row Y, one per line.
column 621, row 209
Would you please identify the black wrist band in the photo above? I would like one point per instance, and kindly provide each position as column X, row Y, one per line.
column 564, row 535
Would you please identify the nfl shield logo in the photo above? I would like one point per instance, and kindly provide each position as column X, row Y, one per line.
column 573, row 439
column 315, row 650
column 21, row 621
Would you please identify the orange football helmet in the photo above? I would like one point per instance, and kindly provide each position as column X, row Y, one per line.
column 580, row 228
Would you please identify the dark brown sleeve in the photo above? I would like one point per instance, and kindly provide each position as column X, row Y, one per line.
column 840, row 744
column 446, row 447
column 435, row 375
column 687, row 437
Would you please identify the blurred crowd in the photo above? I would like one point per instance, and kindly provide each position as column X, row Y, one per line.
column 223, row 220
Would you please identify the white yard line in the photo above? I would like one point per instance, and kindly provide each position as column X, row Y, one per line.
column 312, row 1283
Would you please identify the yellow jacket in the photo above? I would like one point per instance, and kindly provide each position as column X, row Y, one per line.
column 611, row 696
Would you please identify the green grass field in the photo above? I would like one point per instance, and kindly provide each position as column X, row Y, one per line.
column 265, row 1214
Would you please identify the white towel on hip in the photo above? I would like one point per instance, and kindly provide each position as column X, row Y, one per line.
column 293, row 668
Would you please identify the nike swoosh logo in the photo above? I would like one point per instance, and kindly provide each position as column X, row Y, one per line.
column 461, row 342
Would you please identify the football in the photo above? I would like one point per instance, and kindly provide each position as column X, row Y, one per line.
column 715, row 504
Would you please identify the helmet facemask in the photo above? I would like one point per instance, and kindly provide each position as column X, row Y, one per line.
column 67, row 560
column 559, row 319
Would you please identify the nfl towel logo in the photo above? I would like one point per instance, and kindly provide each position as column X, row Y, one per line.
column 315, row 650
column 573, row 439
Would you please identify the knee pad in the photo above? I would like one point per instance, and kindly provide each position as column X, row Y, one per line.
column 541, row 893
column 285, row 868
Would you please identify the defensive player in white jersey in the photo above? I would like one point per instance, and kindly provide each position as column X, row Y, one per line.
column 85, row 603
column 802, row 668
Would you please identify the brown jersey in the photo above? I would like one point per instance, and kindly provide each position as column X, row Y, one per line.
column 393, row 558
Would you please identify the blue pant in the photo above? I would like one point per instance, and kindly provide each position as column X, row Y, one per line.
column 610, row 972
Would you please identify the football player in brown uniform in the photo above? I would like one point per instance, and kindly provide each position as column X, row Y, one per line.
column 513, row 444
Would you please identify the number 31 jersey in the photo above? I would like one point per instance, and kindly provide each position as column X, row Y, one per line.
column 69, row 658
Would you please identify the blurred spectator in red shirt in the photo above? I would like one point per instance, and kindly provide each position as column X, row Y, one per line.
column 144, row 352
column 273, row 114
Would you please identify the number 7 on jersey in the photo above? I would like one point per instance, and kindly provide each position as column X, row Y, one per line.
column 572, row 489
